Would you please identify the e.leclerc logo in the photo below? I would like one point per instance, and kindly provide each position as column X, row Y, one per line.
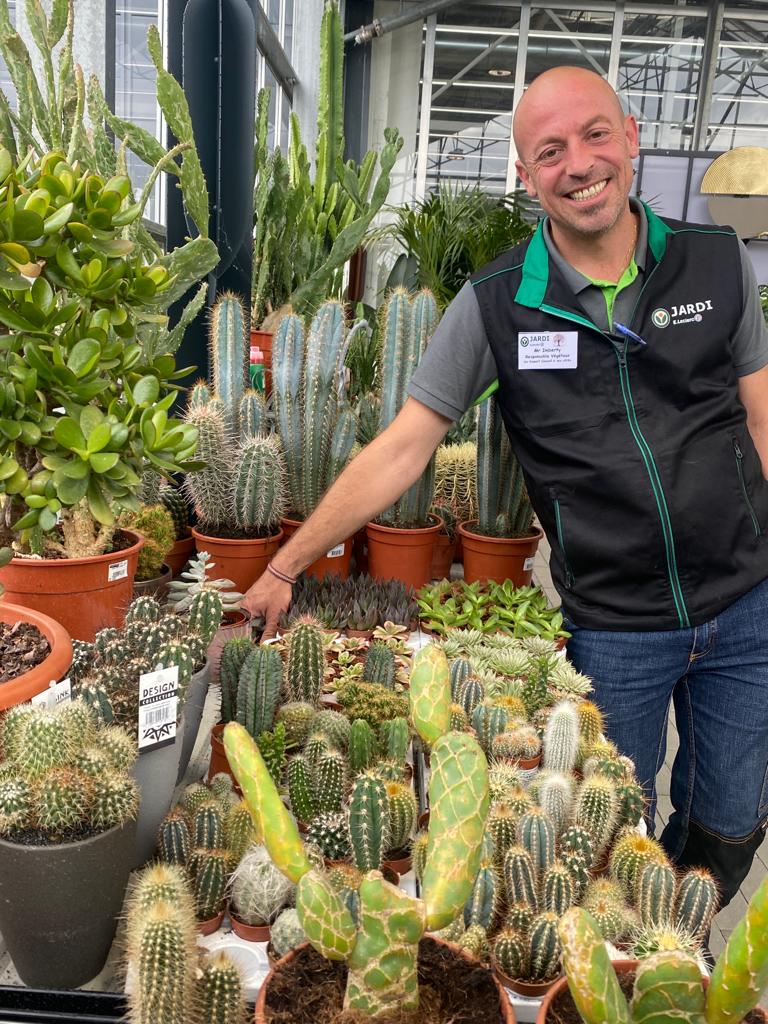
column 660, row 317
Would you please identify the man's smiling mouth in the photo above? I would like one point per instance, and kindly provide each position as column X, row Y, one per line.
column 588, row 193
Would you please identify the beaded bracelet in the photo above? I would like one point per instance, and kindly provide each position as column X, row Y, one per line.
column 281, row 575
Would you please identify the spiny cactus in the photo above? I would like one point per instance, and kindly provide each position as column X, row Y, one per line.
column 330, row 779
column 631, row 802
column 395, row 737
column 558, row 891
column 362, row 746
column 474, row 940
column 555, row 794
column 211, row 871
column 402, row 810
column 228, row 349
column 595, row 810
column 286, row 933
column 655, row 893
column 297, row 717
column 520, row 744
column 208, row 826
column 520, row 876
column 162, row 947
column 369, row 818
column 379, row 666
column 334, row 725
column 194, row 796
column 174, row 841
column 630, row 854
column 205, row 613
column 329, row 831
column 561, row 738
column 696, row 902
column 461, row 668
column 258, row 690
column 210, row 489
column 536, row 833
column 469, row 693
column 501, row 827
column 520, row 917
column 174, row 501
column 253, row 414
column 234, row 654
column 511, row 952
column 488, row 721
column 305, row 665
column 240, row 831
column 258, row 486
column 419, row 854
column 258, row 889
column 220, row 991
column 484, row 903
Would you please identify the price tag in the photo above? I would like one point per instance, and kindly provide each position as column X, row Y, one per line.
column 158, row 704
column 528, row 563
column 56, row 694
column 117, row 570
column 336, row 552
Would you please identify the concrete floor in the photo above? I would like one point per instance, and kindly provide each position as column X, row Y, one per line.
column 728, row 918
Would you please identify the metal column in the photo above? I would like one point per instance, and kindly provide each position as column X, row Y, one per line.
column 426, row 107
column 522, row 46
column 708, row 74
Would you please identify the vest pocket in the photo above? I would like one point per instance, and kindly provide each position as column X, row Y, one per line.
column 569, row 578
column 747, row 500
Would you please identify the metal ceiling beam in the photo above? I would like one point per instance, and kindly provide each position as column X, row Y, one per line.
column 270, row 46
column 708, row 73
column 472, row 63
column 381, row 26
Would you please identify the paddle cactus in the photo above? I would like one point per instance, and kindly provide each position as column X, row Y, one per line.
column 381, row 949
column 430, row 694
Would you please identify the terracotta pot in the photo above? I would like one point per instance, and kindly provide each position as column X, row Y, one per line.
column 156, row 587
column 532, row 989
column 249, row 932
column 442, row 557
column 236, row 623
column 505, row 1007
column 53, row 669
column 219, row 762
column 523, row 763
column 498, row 558
column 241, row 561
column 401, row 865
column 83, row 594
column 561, row 985
column 360, row 551
column 361, row 634
column 334, row 563
column 180, row 554
column 264, row 340
column 404, row 555
column 211, row 925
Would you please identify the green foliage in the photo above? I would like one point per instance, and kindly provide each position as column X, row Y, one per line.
column 489, row 608
column 272, row 747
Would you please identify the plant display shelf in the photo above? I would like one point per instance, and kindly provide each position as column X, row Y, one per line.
column 18, row 1004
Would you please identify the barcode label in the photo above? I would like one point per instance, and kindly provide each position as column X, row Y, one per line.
column 155, row 715
column 336, row 552
column 158, row 705
column 528, row 563
column 117, row 570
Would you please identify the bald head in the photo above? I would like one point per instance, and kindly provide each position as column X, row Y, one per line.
column 553, row 90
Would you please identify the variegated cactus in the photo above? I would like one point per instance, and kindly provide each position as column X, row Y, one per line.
column 382, row 947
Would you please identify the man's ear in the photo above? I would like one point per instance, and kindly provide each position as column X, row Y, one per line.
column 525, row 177
column 633, row 135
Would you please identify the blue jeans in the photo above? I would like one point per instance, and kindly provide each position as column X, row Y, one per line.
column 717, row 676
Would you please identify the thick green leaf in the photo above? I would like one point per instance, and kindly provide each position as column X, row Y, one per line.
column 146, row 391
column 98, row 506
column 75, row 469
column 90, row 418
column 101, row 462
column 84, row 356
column 47, row 520
column 27, row 225
column 69, row 435
column 99, row 438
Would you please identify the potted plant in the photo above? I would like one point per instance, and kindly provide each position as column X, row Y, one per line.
column 238, row 496
column 314, row 420
column 670, row 979
column 155, row 524
column 257, row 893
column 184, row 543
column 67, row 828
column 445, row 544
column 401, row 540
column 502, row 543
column 455, row 484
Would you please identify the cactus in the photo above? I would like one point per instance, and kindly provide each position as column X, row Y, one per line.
column 504, row 779
column 258, row 487
column 258, row 889
column 208, row 826
column 741, row 973
column 315, row 747
column 220, row 990
column 301, row 789
column 655, row 894
column 545, row 948
column 536, row 833
column 395, row 736
column 362, row 746
column 591, row 978
column 484, row 902
column 501, row 827
column 369, row 817
column 555, row 793
column 502, row 501
column 577, row 839
column 520, row 917
column 210, row 489
column 330, row 833
column 234, row 654
column 379, row 666
column 115, row 800
column 334, row 725
column 174, row 501
column 194, row 796
column 305, row 663
column 142, row 609
column 459, row 718
column 372, row 702
column 162, row 947
column 419, row 854
column 221, row 786
column 474, row 941
column 470, row 693
column 253, row 414
column 596, row 811
column 520, row 876
column 578, row 867
column 488, row 721
column 272, row 748
column 696, row 902
column 286, row 933
column 119, row 746
column 558, row 891
column 240, row 831
column 228, row 350
column 330, row 777
column 430, row 694
column 401, row 804
column 461, row 669
column 210, row 881
column 631, row 804
column 174, row 839
column 297, row 717
column 630, row 854
column 561, row 738
column 511, row 951
column 258, row 690
column 205, row 614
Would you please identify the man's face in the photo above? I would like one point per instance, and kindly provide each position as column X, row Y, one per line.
column 576, row 148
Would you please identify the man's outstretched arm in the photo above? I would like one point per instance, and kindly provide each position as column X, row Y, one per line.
column 380, row 474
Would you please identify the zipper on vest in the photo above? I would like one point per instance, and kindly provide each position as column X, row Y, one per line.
column 647, row 455
column 569, row 580
column 739, row 465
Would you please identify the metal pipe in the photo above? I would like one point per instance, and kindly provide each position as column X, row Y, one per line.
column 380, row 26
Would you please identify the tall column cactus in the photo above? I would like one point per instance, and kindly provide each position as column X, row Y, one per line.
column 228, row 340
column 503, row 508
column 316, row 425
column 382, row 947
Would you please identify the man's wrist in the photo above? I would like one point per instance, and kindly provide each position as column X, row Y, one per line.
column 280, row 575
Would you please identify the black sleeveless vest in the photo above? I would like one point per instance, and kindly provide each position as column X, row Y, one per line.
column 638, row 461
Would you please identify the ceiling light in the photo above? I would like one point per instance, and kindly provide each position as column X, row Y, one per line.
column 500, row 72
column 457, row 153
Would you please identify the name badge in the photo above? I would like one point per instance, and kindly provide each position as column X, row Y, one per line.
column 548, row 350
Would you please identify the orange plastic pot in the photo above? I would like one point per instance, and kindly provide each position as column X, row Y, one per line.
column 249, row 932
column 219, row 763
column 55, row 666
column 83, row 594
column 334, row 563
column 498, row 558
column 264, row 340
column 241, row 561
column 398, row 554
column 442, row 557
column 180, row 554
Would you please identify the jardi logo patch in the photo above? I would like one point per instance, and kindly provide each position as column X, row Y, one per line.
column 660, row 317
column 685, row 313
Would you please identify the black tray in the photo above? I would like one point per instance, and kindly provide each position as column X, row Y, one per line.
column 19, row 1004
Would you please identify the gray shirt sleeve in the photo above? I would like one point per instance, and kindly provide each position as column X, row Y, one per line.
column 457, row 365
column 750, row 342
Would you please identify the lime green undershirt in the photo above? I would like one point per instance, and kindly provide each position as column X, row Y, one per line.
column 611, row 289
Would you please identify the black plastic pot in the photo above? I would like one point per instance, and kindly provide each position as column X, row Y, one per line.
column 59, row 905
column 29, row 1005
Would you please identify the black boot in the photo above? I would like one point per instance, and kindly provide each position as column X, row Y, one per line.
column 729, row 860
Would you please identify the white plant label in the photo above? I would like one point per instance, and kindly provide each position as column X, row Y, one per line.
column 548, row 350
column 56, row 694
column 336, row 552
column 158, row 705
column 117, row 570
column 528, row 563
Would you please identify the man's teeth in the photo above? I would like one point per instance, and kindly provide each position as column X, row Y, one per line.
column 587, row 193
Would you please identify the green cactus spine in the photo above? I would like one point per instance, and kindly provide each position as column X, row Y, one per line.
column 62, row 799
column 228, row 345
column 239, row 831
column 558, row 891
column 368, row 822
column 194, row 796
column 697, row 902
column 208, row 826
column 210, row 882
column 655, row 894
column 511, row 951
column 379, row 666
column 220, row 990
column 520, row 917
column 561, row 738
column 536, row 833
column 578, row 868
column 176, row 504
column 362, row 746
column 631, row 804
column 469, row 694
column 741, row 973
column 330, row 833
column 315, row 747
column 205, row 614
column 545, row 947
column 258, row 690
column 520, row 876
column 395, row 737
column 502, row 501
column 401, row 804
column 304, row 662
column 301, row 790
column 430, row 694
column 258, row 486
column 233, row 656
column 210, row 489
column 461, row 669
column 630, row 854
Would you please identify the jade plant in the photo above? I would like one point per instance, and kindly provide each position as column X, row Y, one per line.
column 670, row 979
column 381, row 946
column 503, row 506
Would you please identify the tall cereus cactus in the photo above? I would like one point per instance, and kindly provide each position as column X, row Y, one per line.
column 668, row 985
column 258, row 486
column 407, row 324
column 258, row 690
column 229, row 356
column 210, row 489
column 316, row 424
column 382, row 947
column 503, row 507
column 305, row 661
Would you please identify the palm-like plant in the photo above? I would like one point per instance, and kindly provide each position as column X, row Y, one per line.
column 450, row 234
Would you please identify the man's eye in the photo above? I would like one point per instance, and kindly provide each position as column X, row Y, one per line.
column 547, row 155
column 599, row 133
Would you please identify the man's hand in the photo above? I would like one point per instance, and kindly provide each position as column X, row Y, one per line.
column 268, row 597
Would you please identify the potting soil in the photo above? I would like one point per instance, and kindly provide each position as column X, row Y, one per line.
column 22, row 646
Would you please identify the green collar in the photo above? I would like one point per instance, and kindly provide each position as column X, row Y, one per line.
column 535, row 276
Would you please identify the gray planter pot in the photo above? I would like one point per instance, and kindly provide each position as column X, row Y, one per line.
column 197, row 691
column 155, row 773
column 59, row 905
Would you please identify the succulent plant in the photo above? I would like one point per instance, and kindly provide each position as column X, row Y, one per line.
column 305, row 662
column 220, row 991
column 155, row 524
column 258, row 890
column 369, row 822
column 329, row 831
column 194, row 580
column 286, row 933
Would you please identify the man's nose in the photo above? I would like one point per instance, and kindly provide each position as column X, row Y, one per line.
column 579, row 159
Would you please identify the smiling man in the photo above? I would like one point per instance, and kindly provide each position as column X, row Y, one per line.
column 629, row 357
